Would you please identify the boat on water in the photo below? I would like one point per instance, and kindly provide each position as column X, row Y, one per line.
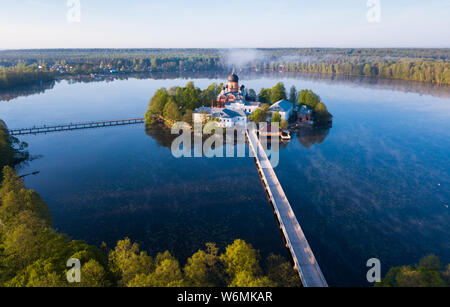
column 285, row 135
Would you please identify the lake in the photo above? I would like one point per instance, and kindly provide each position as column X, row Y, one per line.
column 375, row 185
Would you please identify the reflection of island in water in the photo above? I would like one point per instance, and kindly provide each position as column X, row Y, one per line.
column 421, row 88
column 308, row 136
column 162, row 135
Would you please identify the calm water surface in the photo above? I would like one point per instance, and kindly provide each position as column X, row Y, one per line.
column 377, row 184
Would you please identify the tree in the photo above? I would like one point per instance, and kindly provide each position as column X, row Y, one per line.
column 281, row 272
column 187, row 117
column 293, row 95
column 259, row 116
column 126, row 261
column 210, row 93
column 425, row 274
column 12, row 151
column 276, row 117
column 241, row 256
column 265, row 96
column 284, row 124
column 278, row 92
column 431, row 262
column 204, row 268
column 156, row 105
column 93, row 274
column 42, row 273
column 171, row 111
column 308, row 98
column 246, row 279
column 167, row 274
column 251, row 95
column 321, row 114
column 17, row 200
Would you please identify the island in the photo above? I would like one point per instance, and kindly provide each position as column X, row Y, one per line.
column 232, row 105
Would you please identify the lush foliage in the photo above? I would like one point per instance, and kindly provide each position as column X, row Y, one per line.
column 293, row 95
column 265, row 95
column 12, row 151
column 259, row 116
column 321, row 114
column 312, row 100
column 304, row 97
column 308, row 98
column 179, row 102
column 276, row 117
column 31, row 252
column 429, row 272
column 278, row 92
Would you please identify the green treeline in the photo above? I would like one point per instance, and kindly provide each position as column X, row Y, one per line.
column 424, row 71
column 178, row 103
column 429, row 272
column 21, row 74
column 88, row 61
column 12, row 151
column 424, row 65
column 269, row 96
column 33, row 254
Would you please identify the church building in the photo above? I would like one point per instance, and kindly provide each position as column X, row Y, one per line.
column 231, row 107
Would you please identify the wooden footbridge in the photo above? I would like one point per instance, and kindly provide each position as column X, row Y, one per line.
column 304, row 260
column 76, row 126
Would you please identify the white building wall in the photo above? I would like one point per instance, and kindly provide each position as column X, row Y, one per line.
column 286, row 115
column 199, row 117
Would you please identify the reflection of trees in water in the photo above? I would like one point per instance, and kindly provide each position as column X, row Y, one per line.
column 164, row 138
column 389, row 84
column 161, row 134
column 309, row 136
column 423, row 88
column 10, row 94
column 369, row 82
column 215, row 74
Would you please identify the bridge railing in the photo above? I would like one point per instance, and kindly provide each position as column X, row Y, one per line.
column 74, row 126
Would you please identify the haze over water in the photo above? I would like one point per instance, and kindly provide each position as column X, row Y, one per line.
column 377, row 184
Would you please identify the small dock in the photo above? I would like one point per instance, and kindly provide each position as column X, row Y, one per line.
column 304, row 260
column 71, row 126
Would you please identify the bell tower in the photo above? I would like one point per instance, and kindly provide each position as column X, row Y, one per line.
column 233, row 82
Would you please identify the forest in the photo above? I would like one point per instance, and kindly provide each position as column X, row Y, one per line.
column 424, row 65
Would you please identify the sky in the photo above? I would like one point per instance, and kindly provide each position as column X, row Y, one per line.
column 224, row 24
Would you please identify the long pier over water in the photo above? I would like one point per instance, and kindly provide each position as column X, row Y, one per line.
column 305, row 262
column 71, row 126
